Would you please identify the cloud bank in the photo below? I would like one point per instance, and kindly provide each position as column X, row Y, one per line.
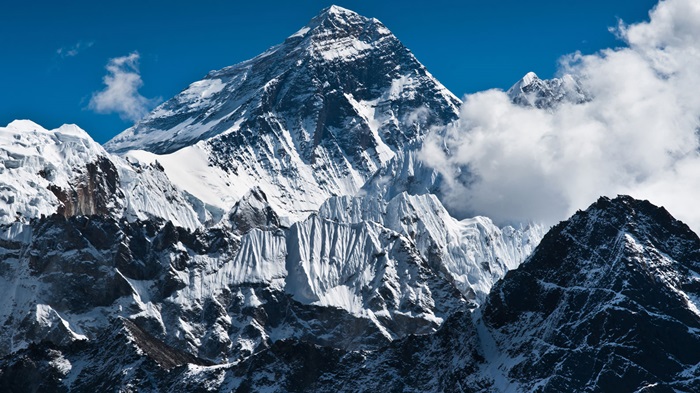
column 121, row 93
column 638, row 135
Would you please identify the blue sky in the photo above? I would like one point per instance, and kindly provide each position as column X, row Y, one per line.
column 55, row 53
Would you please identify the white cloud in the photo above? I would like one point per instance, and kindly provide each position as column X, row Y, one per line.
column 121, row 93
column 637, row 136
column 74, row 50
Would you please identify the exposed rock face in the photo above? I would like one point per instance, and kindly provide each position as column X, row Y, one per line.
column 253, row 211
column 94, row 192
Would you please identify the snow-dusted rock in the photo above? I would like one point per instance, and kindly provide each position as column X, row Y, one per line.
column 614, row 288
column 42, row 170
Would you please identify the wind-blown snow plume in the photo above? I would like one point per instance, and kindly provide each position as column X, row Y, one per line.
column 121, row 94
column 638, row 134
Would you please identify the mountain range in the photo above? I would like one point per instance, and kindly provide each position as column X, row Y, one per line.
column 273, row 228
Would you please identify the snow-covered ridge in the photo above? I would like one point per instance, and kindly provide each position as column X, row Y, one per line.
column 65, row 171
column 473, row 252
column 31, row 159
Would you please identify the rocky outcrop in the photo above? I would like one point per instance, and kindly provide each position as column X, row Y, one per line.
column 96, row 191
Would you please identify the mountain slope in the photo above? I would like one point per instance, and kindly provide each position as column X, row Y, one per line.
column 220, row 294
column 607, row 302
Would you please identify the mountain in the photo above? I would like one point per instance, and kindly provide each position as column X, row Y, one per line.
column 272, row 228
column 225, row 293
column 607, row 302
column 546, row 93
column 260, row 219
column 472, row 253
column 313, row 117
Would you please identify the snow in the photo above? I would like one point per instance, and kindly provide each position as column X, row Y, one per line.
column 198, row 92
column 350, row 48
column 338, row 10
column 150, row 194
column 302, row 32
column 190, row 171
column 367, row 109
column 251, row 299
column 528, row 79
column 26, row 151
column 47, row 317
column 344, row 297
column 465, row 245
column 295, row 197
column 61, row 364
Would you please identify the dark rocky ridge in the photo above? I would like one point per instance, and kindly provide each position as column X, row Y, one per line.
column 602, row 304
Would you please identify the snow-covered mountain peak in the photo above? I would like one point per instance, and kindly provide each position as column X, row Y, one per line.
column 528, row 79
column 336, row 10
column 313, row 117
column 335, row 22
column 26, row 132
column 336, row 17
column 338, row 34
column 546, row 93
